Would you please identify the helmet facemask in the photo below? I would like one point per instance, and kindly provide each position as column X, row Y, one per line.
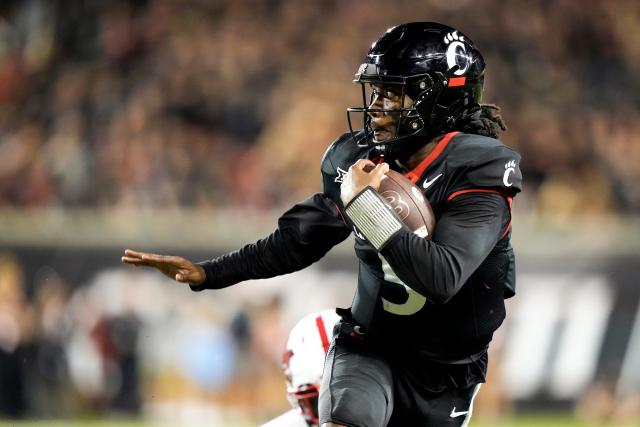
column 416, row 123
column 305, row 400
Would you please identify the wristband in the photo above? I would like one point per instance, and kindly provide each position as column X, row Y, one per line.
column 373, row 217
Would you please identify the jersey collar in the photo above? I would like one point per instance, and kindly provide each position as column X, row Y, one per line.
column 415, row 174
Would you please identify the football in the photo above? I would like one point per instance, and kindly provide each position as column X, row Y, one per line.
column 409, row 203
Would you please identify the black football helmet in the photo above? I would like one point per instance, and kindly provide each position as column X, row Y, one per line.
column 437, row 66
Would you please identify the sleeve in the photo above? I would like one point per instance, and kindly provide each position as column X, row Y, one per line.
column 494, row 166
column 465, row 234
column 305, row 233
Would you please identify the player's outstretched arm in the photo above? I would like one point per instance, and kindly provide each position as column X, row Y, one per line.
column 177, row 268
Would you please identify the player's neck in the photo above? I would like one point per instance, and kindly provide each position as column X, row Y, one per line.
column 415, row 159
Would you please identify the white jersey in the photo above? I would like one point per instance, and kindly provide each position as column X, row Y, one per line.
column 290, row 418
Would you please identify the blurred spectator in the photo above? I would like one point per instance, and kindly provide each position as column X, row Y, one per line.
column 16, row 331
column 47, row 379
column 103, row 346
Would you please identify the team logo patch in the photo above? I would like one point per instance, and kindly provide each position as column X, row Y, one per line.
column 457, row 53
column 341, row 173
column 510, row 168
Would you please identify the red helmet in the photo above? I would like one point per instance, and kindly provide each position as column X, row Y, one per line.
column 303, row 362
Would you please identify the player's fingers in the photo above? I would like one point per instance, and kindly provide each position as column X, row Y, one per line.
column 368, row 167
column 133, row 261
column 361, row 164
column 190, row 276
column 163, row 259
column 381, row 169
column 150, row 258
column 186, row 276
column 133, row 254
column 184, row 273
column 147, row 256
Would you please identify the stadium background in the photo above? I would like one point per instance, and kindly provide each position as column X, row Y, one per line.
column 186, row 127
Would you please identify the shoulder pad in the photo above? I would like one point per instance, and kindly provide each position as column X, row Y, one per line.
column 487, row 162
column 339, row 149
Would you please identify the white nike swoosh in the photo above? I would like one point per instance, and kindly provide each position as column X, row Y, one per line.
column 427, row 184
column 455, row 414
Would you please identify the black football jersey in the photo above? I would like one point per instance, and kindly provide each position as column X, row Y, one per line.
column 439, row 295
column 442, row 297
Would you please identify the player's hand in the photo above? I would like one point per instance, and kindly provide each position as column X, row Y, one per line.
column 361, row 174
column 177, row 268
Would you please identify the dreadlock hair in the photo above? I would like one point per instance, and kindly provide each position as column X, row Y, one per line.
column 484, row 120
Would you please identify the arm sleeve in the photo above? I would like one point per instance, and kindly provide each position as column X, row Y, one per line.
column 305, row 233
column 465, row 234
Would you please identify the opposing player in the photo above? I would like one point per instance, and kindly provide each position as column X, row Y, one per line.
column 302, row 362
column 412, row 348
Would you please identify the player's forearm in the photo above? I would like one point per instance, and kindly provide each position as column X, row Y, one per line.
column 431, row 270
column 272, row 256
column 305, row 233
column 464, row 237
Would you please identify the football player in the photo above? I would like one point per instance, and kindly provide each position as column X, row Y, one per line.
column 412, row 348
column 302, row 362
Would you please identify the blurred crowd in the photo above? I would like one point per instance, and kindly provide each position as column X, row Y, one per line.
column 175, row 103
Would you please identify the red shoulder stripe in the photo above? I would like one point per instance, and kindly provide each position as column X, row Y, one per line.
column 416, row 173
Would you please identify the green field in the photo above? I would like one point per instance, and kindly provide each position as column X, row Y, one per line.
column 522, row 421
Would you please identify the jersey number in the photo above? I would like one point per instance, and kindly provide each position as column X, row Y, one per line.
column 414, row 302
